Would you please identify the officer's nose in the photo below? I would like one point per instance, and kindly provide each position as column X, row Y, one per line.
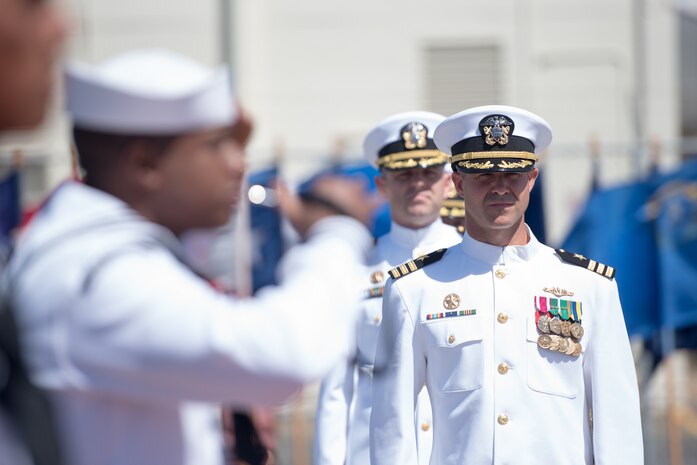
column 500, row 186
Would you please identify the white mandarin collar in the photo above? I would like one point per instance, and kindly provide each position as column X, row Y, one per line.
column 411, row 238
column 497, row 255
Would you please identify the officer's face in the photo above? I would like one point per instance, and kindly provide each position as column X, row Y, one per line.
column 494, row 201
column 201, row 176
column 32, row 33
column 415, row 194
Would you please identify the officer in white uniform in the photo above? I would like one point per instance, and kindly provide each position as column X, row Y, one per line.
column 414, row 182
column 135, row 350
column 523, row 349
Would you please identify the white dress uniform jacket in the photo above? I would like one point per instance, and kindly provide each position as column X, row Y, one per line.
column 346, row 398
column 135, row 348
column 497, row 397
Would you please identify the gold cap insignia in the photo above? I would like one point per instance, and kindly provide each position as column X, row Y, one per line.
column 495, row 129
column 414, row 136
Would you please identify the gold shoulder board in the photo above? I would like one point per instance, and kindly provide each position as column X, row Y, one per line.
column 580, row 260
column 416, row 264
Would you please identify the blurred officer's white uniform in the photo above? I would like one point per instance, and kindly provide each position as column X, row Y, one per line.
column 134, row 348
column 525, row 355
column 342, row 422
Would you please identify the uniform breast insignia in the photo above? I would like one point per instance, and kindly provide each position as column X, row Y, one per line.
column 559, row 324
column 558, row 292
column 373, row 292
column 377, row 277
column 580, row 260
column 454, row 313
column 416, row 264
column 451, row 301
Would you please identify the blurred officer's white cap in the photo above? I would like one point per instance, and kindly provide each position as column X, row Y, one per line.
column 404, row 141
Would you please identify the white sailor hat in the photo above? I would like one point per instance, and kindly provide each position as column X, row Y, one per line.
column 149, row 92
column 404, row 141
column 493, row 138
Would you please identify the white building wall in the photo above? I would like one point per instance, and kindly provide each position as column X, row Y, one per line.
column 312, row 72
column 329, row 70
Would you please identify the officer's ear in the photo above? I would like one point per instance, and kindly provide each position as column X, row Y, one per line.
column 532, row 177
column 457, row 181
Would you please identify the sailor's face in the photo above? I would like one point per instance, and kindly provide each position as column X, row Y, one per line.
column 32, row 33
column 203, row 174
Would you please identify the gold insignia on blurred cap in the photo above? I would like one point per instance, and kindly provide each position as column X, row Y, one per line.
column 414, row 136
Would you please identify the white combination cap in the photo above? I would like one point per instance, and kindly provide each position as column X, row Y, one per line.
column 404, row 141
column 149, row 92
column 493, row 138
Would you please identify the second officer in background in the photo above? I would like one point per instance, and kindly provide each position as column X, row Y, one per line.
column 413, row 179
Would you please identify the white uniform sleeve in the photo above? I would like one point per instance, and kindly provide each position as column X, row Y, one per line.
column 611, row 385
column 332, row 416
column 399, row 376
column 148, row 328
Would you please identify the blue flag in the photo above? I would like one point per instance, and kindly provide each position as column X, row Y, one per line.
column 535, row 214
column 10, row 211
column 613, row 230
column 674, row 207
column 266, row 232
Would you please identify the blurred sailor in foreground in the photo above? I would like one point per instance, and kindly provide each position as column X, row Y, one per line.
column 132, row 345
column 32, row 35
column 523, row 348
column 413, row 180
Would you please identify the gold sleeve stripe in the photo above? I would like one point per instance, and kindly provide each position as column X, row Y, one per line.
column 591, row 265
column 600, row 269
column 403, row 269
column 412, row 265
column 609, row 272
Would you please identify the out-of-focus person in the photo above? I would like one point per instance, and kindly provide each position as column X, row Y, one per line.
column 32, row 34
column 523, row 348
column 136, row 350
column 453, row 210
column 413, row 180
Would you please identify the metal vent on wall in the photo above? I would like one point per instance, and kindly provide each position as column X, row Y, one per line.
column 462, row 76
